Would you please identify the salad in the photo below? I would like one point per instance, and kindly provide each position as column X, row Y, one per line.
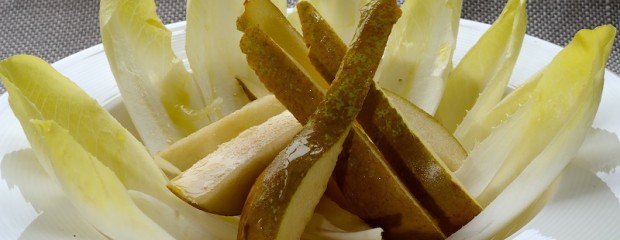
column 222, row 95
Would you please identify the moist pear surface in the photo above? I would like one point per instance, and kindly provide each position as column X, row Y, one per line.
column 439, row 205
column 325, row 48
column 220, row 182
column 284, row 196
column 370, row 186
column 417, row 163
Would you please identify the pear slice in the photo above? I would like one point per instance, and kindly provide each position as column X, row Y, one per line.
column 326, row 50
column 417, row 165
column 187, row 151
column 282, row 200
column 297, row 92
column 428, row 146
column 376, row 194
column 430, row 131
column 220, row 182
column 267, row 16
column 280, row 74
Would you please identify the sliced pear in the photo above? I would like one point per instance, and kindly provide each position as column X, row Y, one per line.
column 187, row 151
column 280, row 74
column 284, row 196
column 428, row 129
column 434, row 148
column 273, row 68
column 325, row 48
column 325, row 52
column 375, row 193
column 418, row 166
column 220, row 182
column 265, row 15
column 282, row 200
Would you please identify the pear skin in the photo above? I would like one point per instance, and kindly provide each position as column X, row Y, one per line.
column 283, row 197
column 424, row 144
column 420, row 169
column 220, row 182
column 326, row 50
column 266, row 16
column 280, row 74
column 282, row 77
column 374, row 192
column 430, row 131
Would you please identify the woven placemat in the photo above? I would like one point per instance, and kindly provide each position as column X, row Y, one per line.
column 54, row 29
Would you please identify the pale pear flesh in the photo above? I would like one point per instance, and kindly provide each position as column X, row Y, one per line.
column 220, row 182
column 283, row 198
column 442, row 153
column 187, row 151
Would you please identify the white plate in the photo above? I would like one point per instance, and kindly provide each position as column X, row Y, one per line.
column 584, row 205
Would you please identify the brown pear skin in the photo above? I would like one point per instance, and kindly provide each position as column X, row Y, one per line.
column 318, row 33
column 434, row 135
column 440, row 193
column 370, row 186
column 265, row 15
column 266, row 214
column 376, row 194
column 427, row 177
column 220, row 182
column 282, row 77
column 326, row 50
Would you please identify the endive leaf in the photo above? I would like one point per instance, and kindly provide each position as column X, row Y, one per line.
column 282, row 5
column 162, row 99
column 529, row 184
column 38, row 91
column 320, row 228
column 55, row 217
column 418, row 56
column 478, row 131
column 479, row 80
column 179, row 227
column 212, row 47
column 558, row 109
column 342, row 15
column 92, row 187
column 339, row 217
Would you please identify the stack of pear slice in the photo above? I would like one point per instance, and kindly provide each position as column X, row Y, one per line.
column 394, row 166
column 283, row 198
column 387, row 143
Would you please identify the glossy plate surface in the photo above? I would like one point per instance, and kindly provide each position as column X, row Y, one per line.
column 584, row 205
